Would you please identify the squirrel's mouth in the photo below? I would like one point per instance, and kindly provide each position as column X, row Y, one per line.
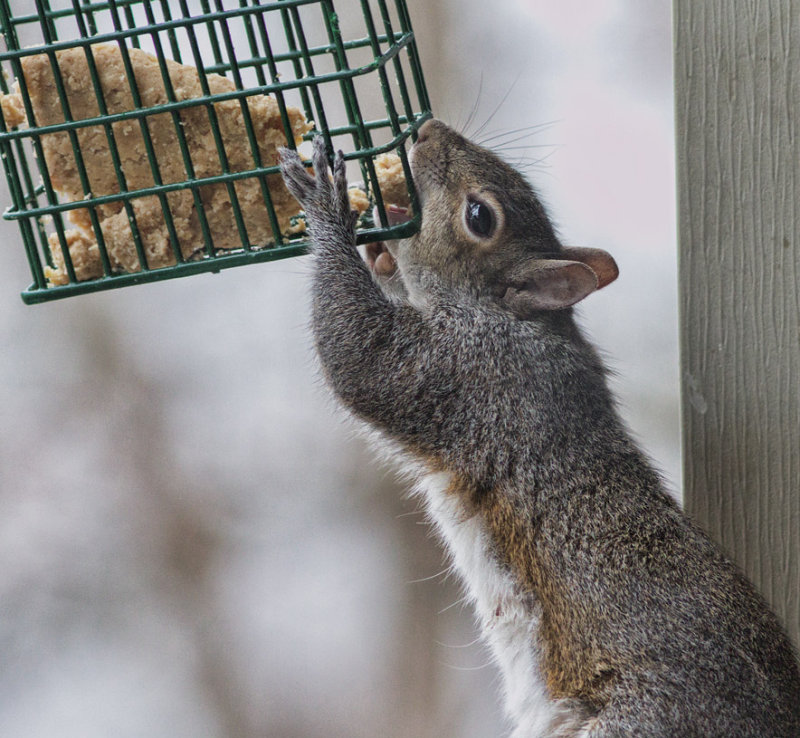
column 379, row 258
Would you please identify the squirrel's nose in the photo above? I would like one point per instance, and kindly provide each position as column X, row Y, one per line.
column 424, row 132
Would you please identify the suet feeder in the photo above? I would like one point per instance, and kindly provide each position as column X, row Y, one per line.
column 139, row 137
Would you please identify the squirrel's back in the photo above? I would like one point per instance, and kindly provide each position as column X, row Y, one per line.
column 632, row 602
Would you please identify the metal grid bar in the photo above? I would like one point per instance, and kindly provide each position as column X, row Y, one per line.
column 212, row 116
column 403, row 86
column 53, row 15
column 155, row 170
column 249, row 129
column 272, row 48
column 208, row 242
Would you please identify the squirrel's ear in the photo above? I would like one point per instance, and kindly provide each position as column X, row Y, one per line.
column 548, row 284
column 599, row 261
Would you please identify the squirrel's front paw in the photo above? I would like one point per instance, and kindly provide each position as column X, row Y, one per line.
column 324, row 199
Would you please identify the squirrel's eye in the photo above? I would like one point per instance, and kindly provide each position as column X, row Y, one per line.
column 480, row 218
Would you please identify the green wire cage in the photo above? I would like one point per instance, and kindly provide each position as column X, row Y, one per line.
column 139, row 137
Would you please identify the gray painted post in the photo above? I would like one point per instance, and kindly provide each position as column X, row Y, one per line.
column 737, row 79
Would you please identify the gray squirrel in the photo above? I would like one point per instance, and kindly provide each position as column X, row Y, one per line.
column 608, row 612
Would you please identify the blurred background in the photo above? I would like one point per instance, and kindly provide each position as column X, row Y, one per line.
column 193, row 542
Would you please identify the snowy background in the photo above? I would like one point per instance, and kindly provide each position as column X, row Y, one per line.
column 191, row 541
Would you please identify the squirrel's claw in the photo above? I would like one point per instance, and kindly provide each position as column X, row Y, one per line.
column 323, row 198
column 296, row 177
column 321, row 166
column 340, row 186
column 335, row 190
column 303, row 185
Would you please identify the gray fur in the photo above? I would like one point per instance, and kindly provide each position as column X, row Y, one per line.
column 649, row 628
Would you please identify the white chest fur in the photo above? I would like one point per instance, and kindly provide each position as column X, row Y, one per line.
column 508, row 626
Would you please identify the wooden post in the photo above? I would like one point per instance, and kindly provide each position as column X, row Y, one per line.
column 737, row 77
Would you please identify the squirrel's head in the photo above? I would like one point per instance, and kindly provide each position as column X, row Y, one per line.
column 484, row 233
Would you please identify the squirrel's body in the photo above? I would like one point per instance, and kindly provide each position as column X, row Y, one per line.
column 608, row 612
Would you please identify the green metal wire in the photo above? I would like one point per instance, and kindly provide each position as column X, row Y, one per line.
column 293, row 50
